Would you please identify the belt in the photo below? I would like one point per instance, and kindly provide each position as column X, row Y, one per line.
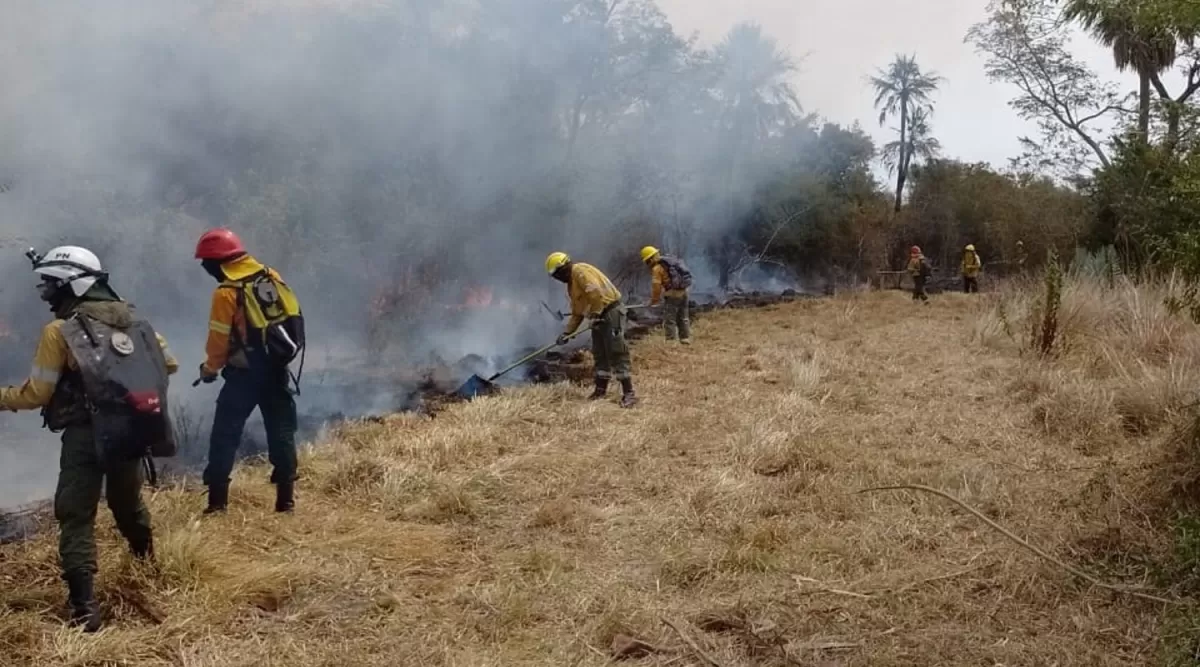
column 608, row 308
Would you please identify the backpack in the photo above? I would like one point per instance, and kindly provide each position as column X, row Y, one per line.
column 926, row 269
column 274, row 320
column 123, row 377
column 678, row 275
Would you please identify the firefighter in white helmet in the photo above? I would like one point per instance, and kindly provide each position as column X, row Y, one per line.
column 100, row 377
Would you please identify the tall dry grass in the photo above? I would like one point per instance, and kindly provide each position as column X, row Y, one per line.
column 1124, row 363
column 535, row 528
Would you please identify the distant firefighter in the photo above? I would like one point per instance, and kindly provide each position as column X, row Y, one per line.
column 670, row 280
column 593, row 296
column 971, row 266
column 920, row 270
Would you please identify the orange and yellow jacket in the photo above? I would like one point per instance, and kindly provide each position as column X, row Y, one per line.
column 590, row 292
column 914, row 265
column 225, row 315
column 51, row 359
column 658, row 278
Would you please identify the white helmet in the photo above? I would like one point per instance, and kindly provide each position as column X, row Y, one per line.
column 71, row 265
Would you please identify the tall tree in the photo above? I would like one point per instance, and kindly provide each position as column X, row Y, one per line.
column 1143, row 47
column 1025, row 43
column 920, row 144
column 903, row 89
column 757, row 102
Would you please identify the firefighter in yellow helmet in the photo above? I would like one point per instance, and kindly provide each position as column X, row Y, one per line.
column 670, row 280
column 593, row 296
column 971, row 266
column 100, row 378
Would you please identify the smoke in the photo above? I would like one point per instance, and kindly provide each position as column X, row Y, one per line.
column 356, row 147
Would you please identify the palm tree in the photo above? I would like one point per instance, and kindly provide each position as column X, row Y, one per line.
column 1146, row 49
column 757, row 100
column 753, row 85
column 903, row 89
column 920, row 143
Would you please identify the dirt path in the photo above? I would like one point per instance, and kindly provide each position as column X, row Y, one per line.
column 531, row 528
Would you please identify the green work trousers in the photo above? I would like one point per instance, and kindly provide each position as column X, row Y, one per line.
column 80, row 479
column 609, row 349
column 675, row 317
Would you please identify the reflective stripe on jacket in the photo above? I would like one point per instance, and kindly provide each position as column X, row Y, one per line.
column 51, row 359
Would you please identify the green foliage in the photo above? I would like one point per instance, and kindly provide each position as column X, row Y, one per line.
column 904, row 90
column 953, row 203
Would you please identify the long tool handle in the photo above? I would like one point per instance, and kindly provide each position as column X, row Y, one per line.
column 535, row 353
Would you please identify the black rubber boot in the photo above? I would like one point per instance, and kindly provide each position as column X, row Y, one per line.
column 85, row 611
column 218, row 498
column 143, row 551
column 285, row 497
column 601, row 389
column 628, row 397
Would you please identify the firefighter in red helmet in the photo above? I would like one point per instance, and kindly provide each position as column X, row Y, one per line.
column 255, row 330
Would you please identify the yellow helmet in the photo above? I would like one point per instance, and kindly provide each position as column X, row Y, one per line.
column 649, row 253
column 970, row 247
column 555, row 261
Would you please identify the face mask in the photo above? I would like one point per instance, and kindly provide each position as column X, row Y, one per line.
column 213, row 267
column 48, row 290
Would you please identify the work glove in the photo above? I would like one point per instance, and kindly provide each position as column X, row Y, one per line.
column 562, row 339
column 207, row 376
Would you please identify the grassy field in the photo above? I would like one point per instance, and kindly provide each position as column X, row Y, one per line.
column 720, row 522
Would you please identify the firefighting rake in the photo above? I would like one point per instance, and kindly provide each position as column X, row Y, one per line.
column 477, row 386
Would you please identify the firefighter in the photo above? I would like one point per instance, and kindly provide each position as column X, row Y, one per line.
column 593, row 296
column 919, row 270
column 1022, row 256
column 255, row 330
column 670, row 280
column 971, row 266
column 100, row 448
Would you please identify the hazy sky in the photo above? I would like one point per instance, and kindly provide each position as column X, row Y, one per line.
column 841, row 42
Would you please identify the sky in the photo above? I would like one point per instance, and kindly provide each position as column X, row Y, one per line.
column 839, row 43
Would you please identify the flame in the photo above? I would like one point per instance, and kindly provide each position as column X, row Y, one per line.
column 478, row 297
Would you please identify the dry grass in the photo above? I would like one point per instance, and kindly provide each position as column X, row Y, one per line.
column 534, row 527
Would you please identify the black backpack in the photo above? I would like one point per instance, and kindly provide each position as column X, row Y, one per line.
column 926, row 268
column 678, row 275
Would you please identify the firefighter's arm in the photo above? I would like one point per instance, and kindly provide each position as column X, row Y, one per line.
column 48, row 363
column 656, row 285
column 172, row 363
column 220, row 326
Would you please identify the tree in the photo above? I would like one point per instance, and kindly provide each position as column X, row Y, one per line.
column 1025, row 44
column 1145, row 48
column 757, row 101
column 920, row 143
column 905, row 90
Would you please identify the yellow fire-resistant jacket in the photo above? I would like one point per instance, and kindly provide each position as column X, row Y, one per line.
column 971, row 264
column 658, row 278
column 225, row 314
column 51, row 359
column 590, row 292
column 914, row 265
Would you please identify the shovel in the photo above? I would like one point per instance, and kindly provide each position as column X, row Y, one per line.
column 477, row 386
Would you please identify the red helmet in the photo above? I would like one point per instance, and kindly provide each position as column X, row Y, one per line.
column 219, row 244
column 916, row 250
